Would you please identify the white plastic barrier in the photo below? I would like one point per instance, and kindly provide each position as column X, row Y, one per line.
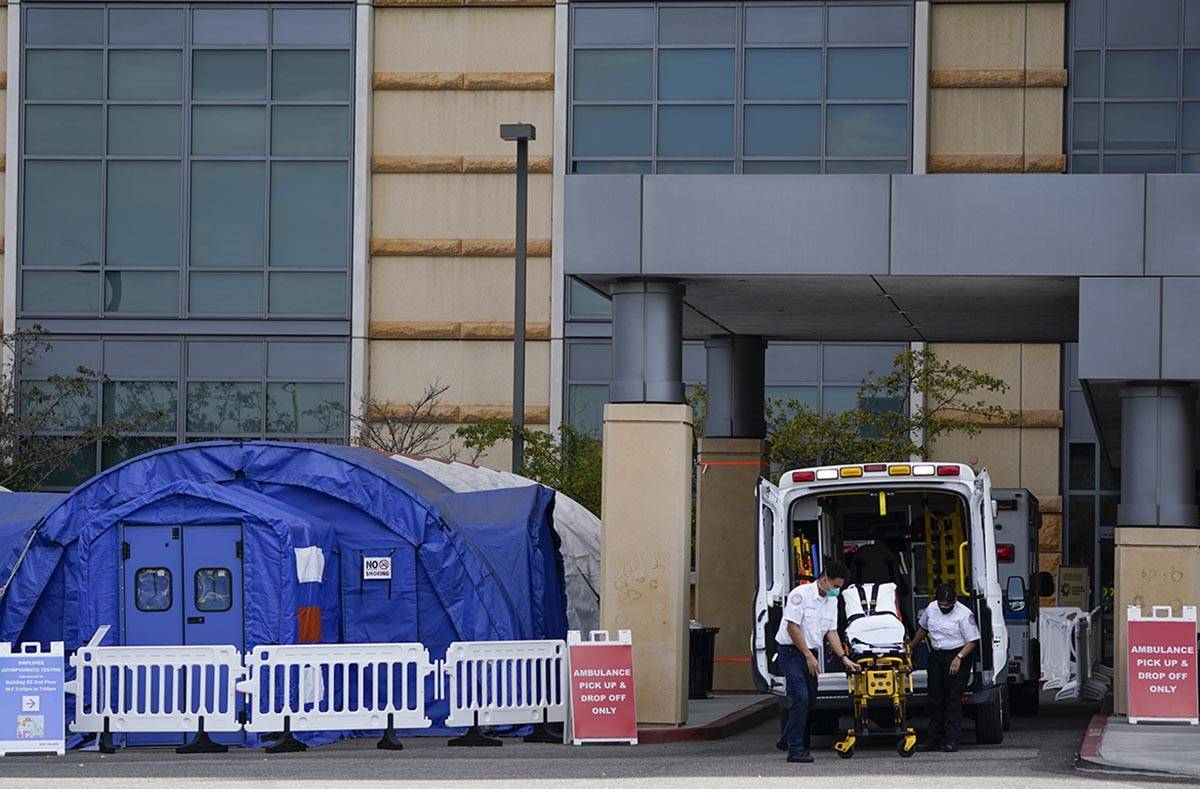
column 495, row 683
column 155, row 688
column 310, row 687
column 1057, row 633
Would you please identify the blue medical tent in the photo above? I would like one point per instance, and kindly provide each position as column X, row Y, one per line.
column 274, row 543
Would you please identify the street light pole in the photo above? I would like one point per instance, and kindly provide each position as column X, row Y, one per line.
column 521, row 133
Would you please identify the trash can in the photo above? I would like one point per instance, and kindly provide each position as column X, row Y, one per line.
column 703, row 644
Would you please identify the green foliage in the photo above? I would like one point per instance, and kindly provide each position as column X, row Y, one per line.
column 950, row 398
column 570, row 462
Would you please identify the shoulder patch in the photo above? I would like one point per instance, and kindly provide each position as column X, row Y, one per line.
column 971, row 618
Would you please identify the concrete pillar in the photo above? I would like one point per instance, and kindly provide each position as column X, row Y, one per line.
column 735, row 371
column 645, row 548
column 1157, row 554
column 647, row 342
column 732, row 457
column 726, row 485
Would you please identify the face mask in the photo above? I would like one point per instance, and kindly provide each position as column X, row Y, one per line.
column 833, row 591
column 945, row 610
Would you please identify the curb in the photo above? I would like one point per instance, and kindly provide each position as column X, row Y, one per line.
column 1089, row 760
column 1089, row 749
column 733, row 723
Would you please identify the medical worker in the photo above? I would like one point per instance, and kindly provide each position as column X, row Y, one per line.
column 953, row 635
column 809, row 617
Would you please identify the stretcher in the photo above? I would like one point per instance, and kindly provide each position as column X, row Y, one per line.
column 876, row 639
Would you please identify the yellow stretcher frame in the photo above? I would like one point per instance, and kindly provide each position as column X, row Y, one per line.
column 882, row 677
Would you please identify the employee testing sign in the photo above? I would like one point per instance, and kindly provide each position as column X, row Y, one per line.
column 1162, row 665
column 603, row 708
column 31, row 700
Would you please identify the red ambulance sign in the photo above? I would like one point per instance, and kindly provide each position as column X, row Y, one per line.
column 1162, row 666
column 603, row 708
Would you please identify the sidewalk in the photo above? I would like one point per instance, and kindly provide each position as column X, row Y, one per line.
column 714, row 719
column 1168, row 748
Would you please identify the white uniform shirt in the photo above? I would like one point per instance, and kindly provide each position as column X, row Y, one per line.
column 949, row 631
column 813, row 612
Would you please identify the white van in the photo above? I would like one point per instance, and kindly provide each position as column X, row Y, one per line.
column 914, row 524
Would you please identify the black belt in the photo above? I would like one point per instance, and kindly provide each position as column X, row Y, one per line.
column 948, row 651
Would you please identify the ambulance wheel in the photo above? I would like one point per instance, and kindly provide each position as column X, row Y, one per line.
column 846, row 754
column 1006, row 708
column 989, row 721
column 906, row 748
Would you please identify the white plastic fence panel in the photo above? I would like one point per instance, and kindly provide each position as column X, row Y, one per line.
column 155, row 688
column 1057, row 640
column 316, row 687
column 493, row 683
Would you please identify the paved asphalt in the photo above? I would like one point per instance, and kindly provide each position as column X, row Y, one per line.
column 1038, row 751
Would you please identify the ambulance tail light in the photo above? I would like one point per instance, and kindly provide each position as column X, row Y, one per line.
column 1006, row 554
column 948, row 471
column 899, row 471
column 804, row 476
column 852, row 471
column 827, row 473
column 922, row 470
column 875, row 468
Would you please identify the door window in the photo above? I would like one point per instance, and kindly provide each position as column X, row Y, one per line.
column 214, row 589
column 152, row 587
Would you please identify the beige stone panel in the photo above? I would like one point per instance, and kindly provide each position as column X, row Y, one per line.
column 445, row 446
column 998, row 449
column 1040, row 460
column 645, row 548
column 459, row 122
column 725, row 551
column 1045, row 35
column 4, row 38
column 1041, row 377
column 438, row 205
column 455, row 289
column 464, row 39
column 976, row 120
column 1043, row 121
column 478, row 372
column 1002, row 360
column 977, row 36
column 1154, row 566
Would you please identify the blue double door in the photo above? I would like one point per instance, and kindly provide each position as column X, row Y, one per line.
column 182, row 585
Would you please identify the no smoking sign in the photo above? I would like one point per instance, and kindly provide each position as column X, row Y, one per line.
column 377, row 568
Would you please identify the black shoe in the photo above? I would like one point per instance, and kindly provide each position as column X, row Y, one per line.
column 950, row 747
column 781, row 745
column 803, row 757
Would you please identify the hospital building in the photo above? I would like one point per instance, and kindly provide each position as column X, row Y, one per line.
column 239, row 212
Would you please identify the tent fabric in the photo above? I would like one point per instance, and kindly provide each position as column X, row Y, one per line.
column 19, row 512
column 577, row 528
column 465, row 566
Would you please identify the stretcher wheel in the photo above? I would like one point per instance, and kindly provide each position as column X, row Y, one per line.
column 906, row 748
column 846, row 754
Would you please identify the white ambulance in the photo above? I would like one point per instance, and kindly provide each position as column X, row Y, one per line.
column 913, row 524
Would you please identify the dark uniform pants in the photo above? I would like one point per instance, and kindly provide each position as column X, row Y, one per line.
column 945, row 695
column 802, row 693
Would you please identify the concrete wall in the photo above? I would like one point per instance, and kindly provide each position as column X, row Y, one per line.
column 1024, row 455
column 997, row 73
column 442, row 204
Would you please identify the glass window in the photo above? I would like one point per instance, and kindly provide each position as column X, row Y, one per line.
column 586, row 302
column 585, row 407
column 225, row 293
column 866, row 130
column 312, row 26
column 229, row 131
column 143, row 214
column 864, row 24
column 868, row 73
column 58, row 406
column 875, row 166
column 1081, row 473
column 229, row 74
column 62, row 214
column 228, row 209
column 788, row 130
column 695, row 25
column 308, row 408
column 807, row 397
column 856, row 363
column 152, row 405
column 310, row 131
column 1086, row 27
column 781, row 167
column 837, row 399
column 1191, row 125
column 229, row 26
column 695, row 74
column 1141, row 74
column 62, row 74
column 310, row 205
column 1142, row 22
column 144, row 131
column 213, row 588
column 695, row 131
column 215, row 407
column 1139, row 163
column 608, row 74
column 62, row 130
column 695, row 168
column 142, row 292
column 1191, row 73
column 783, row 25
column 64, row 26
column 613, row 25
column 590, row 360
column 60, row 292
column 783, row 73
column 144, row 74
column 306, row 293
column 1085, row 76
column 611, row 131
column 611, row 167
column 153, row 589
column 316, row 75
column 1081, row 537
column 120, row 450
column 1140, row 126
column 1085, row 131
column 159, row 26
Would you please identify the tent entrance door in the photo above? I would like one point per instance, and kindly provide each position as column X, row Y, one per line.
column 182, row 585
